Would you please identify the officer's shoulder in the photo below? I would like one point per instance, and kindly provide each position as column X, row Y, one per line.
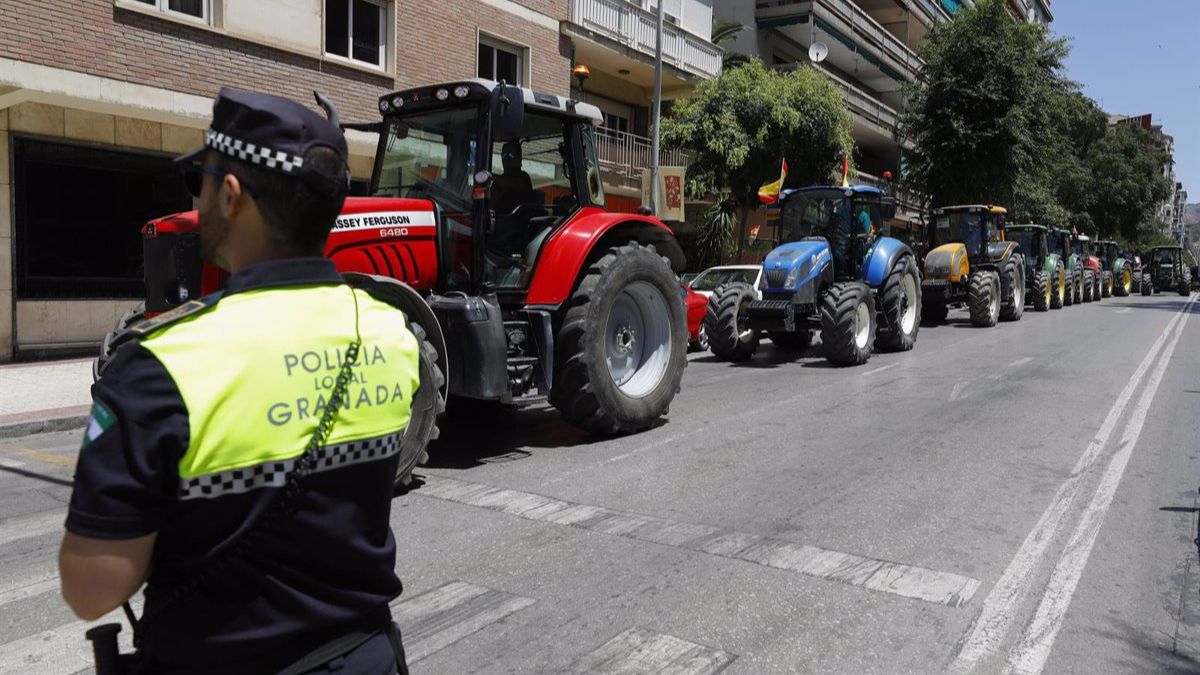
column 154, row 324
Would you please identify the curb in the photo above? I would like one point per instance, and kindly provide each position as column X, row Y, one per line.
column 62, row 419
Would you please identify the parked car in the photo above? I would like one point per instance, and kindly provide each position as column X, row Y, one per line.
column 707, row 281
column 697, row 305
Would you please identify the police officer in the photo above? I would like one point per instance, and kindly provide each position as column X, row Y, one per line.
column 260, row 553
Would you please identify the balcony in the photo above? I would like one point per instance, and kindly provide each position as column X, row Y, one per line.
column 621, row 25
column 623, row 156
column 910, row 202
column 857, row 43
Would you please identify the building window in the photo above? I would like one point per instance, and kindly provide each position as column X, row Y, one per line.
column 357, row 30
column 197, row 9
column 58, row 253
column 501, row 61
column 615, row 123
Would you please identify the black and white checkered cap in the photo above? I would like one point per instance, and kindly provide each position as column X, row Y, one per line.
column 273, row 133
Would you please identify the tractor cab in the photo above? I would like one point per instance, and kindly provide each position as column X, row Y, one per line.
column 970, row 264
column 1045, row 275
column 979, row 229
column 848, row 219
column 1033, row 242
column 1164, row 270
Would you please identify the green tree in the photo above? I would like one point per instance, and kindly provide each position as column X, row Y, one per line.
column 739, row 126
column 988, row 114
column 1126, row 183
column 725, row 30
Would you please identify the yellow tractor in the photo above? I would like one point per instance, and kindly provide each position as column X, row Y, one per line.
column 970, row 264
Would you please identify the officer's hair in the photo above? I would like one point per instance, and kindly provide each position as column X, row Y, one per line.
column 297, row 215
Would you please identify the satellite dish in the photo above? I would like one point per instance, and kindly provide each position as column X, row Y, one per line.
column 817, row 52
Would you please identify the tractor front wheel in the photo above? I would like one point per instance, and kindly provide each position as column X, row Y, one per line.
column 1089, row 286
column 728, row 338
column 1147, row 284
column 983, row 298
column 1058, row 284
column 1013, row 286
column 794, row 341
column 1041, row 292
column 900, row 296
column 1106, row 284
column 848, row 323
column 1123, row 285
column 1078, row 285
column 622, row 347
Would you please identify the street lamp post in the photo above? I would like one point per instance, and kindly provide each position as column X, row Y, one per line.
column 657, row 112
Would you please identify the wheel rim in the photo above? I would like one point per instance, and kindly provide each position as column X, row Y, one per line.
column 638, row 339
column 862, row 325
column 908, row 318
column 702, row 338
column 1126, row 280
column 1048, row 294
column 994, row 302
column 1018, row 295
column 746, row 334
column 1062, row 286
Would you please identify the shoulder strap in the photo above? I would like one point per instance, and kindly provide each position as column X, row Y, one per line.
column 143, row 329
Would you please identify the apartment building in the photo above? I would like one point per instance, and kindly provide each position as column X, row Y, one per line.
column 871, row 55
column 1170, row 213
column 97, row 96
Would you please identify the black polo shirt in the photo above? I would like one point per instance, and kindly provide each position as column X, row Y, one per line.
column 315, row 574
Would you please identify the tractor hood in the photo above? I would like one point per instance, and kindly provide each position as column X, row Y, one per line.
column 948, row 261
column 792, row 265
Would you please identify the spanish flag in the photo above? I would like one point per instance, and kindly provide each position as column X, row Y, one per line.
column 769, row 193
column 846, row 171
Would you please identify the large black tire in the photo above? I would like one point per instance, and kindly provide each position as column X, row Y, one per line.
column 727, row 339
column 1069, row 299
column 844, row 306
column 1058, row 287
column 1184, row 287
column 900, row 305
column 1106, row 284
column 1098, row 286
column 1012, row 289
column 983, row 298
column 934, row 312
column 1120, row 288
column 794, row 341
column 635, row 278
column 1078, row 287
column 1040, row 292
column 1089, row 286
column 131, row 316
column 1147, row 284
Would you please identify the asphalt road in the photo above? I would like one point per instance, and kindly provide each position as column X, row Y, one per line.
column 1017, row 499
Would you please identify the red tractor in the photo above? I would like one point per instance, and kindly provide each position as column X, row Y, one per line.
column 487, row 228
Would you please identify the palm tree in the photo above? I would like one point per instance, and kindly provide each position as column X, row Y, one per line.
column 724, row 30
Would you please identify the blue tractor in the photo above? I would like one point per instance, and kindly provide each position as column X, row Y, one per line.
column 829, row 272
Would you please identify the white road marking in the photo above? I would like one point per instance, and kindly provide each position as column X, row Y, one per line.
column 11, row 463
column 1123, row 310
column 880, row 370
column 909, row 581
column 1030, row 653
column 1020, row 362
column 28, row 587
column 62, row 650
column 438, row 618
column 638, row 650
column 33, row 525
column 995, row 618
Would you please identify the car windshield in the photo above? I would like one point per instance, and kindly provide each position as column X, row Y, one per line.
column 712, row 278
column 812, row 213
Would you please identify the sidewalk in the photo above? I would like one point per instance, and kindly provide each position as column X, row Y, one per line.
column 45, row 396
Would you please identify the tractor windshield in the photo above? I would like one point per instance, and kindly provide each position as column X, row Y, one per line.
column 964, row 228
column 1079, row 247
column 431, row 156
column 818, row 213
column 1030, row 243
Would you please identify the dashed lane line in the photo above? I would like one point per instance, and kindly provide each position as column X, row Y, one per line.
column 436, row 619
column 994, row 621
column 638, row 650
column 908, row 581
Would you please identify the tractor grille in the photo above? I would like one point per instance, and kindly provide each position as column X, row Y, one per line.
column 770, row 307
column 776, row 278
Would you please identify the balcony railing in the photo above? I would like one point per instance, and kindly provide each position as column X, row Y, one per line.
column 634, row 27
column 850, row 20
column 909, row 201
column 627, row 155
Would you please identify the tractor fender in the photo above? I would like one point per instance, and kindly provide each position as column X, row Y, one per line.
column 947, row 262
column 811, row 258
column 883, row 254
column 1120, row 264
column 1000, row 251
column 404, row 297
column 564, row 257
column 1052, row 261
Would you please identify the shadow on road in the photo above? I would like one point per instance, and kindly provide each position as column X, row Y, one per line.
column 490, row 435
column 1150, row 654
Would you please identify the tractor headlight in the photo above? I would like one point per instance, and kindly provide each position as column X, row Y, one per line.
column 792, row 276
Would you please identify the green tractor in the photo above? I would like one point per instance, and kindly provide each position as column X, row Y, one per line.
column 1059, row 241
column 1164, row 270
column 970, row 263
column 1045, row 271
column 1118, row 269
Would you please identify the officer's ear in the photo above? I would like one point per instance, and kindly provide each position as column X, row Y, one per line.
column 232, row 196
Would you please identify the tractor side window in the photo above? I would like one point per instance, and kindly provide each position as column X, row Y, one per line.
column 591, row 163
column 533, row 192
column 993, row 232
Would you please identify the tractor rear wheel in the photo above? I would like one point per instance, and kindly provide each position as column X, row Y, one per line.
column 848, row 323
column 1147, row 284
column 1040, row 292
column 983, row 298
column 1078, row 285
column 1106, row 284
column 1058, row 287
column 1012, row 285
column 728, row 338
column 622, row 347
column 1184, row 287
column 795, row 341
column 934, row 312
column 900, row 296
column 1089, row 286
column 1098, row 290
column 1123, row 284
column 131, row 316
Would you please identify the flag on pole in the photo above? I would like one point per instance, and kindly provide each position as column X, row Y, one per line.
column 769, row 193
column 846, row 171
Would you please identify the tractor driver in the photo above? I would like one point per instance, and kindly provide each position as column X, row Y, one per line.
column 513, row 187
column 252, row 505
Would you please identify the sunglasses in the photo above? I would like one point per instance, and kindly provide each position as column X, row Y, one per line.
column 193, row 177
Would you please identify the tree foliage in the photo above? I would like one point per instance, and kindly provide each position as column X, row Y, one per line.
column 1126, row 183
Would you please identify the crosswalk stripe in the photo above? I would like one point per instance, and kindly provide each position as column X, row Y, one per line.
column 638, row 650
column 29, row 587
column 438, row 618
column 62, row 650
column 909, row 581
column 33, row 525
